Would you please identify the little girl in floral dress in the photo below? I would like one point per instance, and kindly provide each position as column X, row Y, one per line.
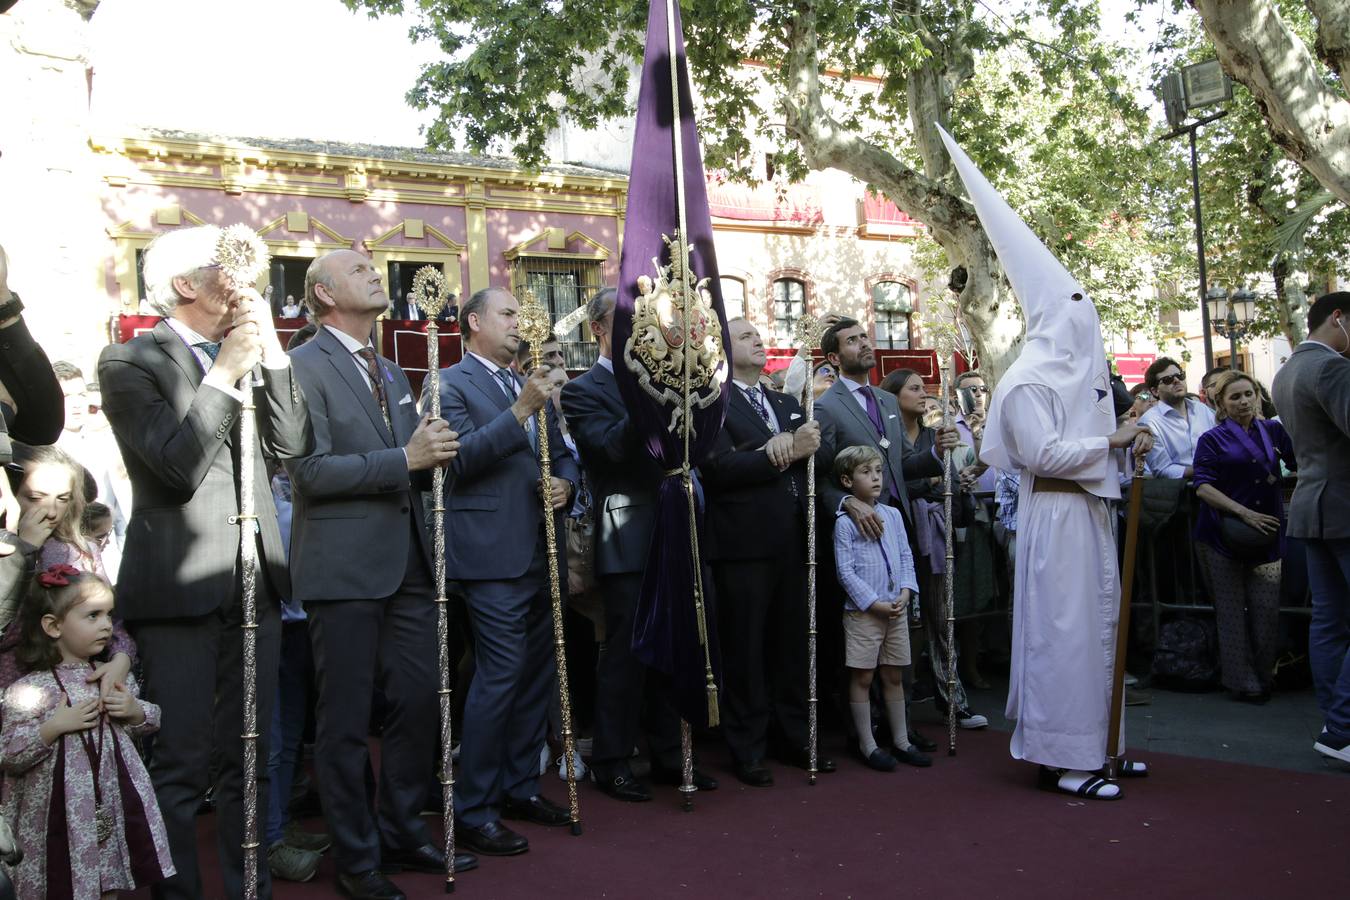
column 76, row 791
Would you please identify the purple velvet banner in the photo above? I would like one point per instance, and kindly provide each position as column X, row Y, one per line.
column 666, row 634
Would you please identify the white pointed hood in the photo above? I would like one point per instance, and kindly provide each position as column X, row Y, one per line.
column 1064, row 350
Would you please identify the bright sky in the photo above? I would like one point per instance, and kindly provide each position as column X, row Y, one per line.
column 256, row 68
column 285, row 68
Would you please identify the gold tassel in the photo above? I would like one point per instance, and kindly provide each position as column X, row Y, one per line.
column 713, row 717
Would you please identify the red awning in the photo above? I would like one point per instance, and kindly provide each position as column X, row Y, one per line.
column 798, row 204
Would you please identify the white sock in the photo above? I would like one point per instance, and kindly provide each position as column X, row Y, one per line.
column 862, row 719
column 1073, row 779
column 895, row 711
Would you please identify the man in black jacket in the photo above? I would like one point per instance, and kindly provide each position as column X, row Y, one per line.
column 756, row 478
column 623, row 479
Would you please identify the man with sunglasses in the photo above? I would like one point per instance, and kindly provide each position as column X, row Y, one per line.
column 1177, row 420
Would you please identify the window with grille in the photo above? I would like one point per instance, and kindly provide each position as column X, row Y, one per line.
column 733, row 297
column 562, row 285
column 789, row 302
column 892, row 303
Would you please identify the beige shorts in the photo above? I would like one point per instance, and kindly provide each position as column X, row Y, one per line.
column 870, row 641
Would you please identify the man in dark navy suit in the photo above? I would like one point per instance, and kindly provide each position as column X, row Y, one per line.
column 623, row 479
column 756, row 479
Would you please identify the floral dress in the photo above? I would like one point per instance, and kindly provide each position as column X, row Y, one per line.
column 51, row 802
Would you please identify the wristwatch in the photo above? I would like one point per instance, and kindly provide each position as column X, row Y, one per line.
column 11, row 307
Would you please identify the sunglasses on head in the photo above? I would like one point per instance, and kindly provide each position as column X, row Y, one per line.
column 1172, row 379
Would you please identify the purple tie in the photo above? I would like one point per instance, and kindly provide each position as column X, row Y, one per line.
column 874, row 413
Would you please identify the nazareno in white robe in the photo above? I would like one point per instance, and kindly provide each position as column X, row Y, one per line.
column 1066, row 592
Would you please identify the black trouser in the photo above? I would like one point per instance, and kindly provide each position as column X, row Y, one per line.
column 622, row 680
column 357, row 642
column 762, row 611
column 194, row 671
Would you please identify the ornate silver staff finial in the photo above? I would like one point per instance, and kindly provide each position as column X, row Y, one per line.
column 430, row 290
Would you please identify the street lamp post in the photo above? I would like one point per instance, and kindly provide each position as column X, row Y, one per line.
column 1241, row 309
column 1196, row 86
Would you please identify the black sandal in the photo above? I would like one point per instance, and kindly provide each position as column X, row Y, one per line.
column 1090, row 789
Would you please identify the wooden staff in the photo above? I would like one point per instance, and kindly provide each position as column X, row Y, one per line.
column 243, row 257
column 535, row 327
column 948, row 584
column 808, row 337
column 430, row 291
column 1113, row 754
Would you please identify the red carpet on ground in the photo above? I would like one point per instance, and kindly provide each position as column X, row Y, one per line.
column 971, row 826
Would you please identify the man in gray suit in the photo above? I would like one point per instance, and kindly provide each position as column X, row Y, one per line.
column 497, row 553
column 853, row 413
column 361, row 564
column 1312, row 393
column 173, row 400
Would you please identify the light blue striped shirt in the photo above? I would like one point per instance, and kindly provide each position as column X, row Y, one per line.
column 867, row 568
column 1175, row 436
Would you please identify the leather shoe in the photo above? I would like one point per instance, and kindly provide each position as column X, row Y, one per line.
column 754, row 773
column 426, row 858
column 622, row 787
column 702, row 780
column 370, row 885
column 537, row 809
column 802, row 760
column 492, row 839
column 921, row 742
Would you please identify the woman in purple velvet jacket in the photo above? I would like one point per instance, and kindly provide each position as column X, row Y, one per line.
column 1239, row 532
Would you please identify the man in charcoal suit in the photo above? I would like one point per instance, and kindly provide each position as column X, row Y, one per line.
column 756, row 478
column 854, row 413
column 1312, row 393
column 171, row 396
column 497, row 551
column 623, row 478
column 361, row 563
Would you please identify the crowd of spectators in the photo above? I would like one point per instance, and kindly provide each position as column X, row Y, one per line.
column 133, row 485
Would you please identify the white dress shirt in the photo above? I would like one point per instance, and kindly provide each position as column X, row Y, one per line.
column 1175, row 436
column 755, row 396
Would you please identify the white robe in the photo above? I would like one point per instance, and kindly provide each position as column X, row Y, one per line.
column 1066, row 590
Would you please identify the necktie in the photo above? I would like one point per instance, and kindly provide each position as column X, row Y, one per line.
column 376, row 384
column 512, row 386
column 508, row 382
column 874, row 413
column 210, row 348
column 756, row 397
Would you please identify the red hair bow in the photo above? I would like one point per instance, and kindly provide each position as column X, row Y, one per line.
column 57, row 575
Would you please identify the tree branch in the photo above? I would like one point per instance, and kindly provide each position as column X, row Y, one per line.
column 1333, row 35
column 1307, row 119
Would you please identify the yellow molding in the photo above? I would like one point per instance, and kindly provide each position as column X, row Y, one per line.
column 450, row 247
column 523, row 248
column 237, row 152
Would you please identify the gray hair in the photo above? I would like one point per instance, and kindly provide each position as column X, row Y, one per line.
column 316, row 274
column 180, row 253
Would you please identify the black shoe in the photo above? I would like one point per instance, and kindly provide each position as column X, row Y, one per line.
column 879, row 760
column 921, row 742
column 702, row 780
column 370, row 885
column 492, row 839
column 426, row 858
column 802, row 760
column 912, row 757
column 753, row 773
column 538, row 809
column 622, row 787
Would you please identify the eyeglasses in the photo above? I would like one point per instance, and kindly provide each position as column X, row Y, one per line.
column 978, row 389
column 1143, row 395
column 1172, row 379
column 824, row 371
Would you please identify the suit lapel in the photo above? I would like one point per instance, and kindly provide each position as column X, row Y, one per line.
column 851, row 404
column 173, row 346
column 345, row 365
column 486, row 382
column 740, row 405
column 783, row 408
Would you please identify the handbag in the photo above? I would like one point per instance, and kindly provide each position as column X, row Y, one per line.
column 1242, row 539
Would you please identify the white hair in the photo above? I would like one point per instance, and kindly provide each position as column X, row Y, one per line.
column 176, row 254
